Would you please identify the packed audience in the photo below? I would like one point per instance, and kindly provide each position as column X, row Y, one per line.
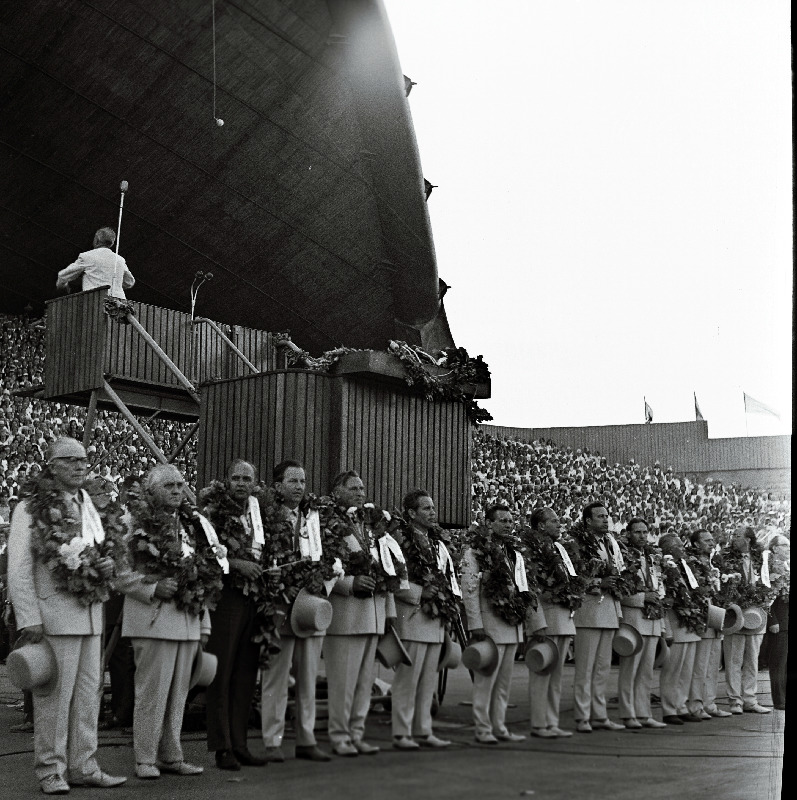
column 525, row 476
column 28, row 425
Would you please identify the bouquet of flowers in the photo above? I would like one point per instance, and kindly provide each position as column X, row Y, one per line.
column 375, row 524
column 58, row 542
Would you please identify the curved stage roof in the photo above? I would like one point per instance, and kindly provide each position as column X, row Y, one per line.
column 307, row 205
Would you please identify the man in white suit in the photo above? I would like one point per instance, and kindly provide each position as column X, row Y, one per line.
column 165, row 643
column 491, row 692
column 99, row 267
column 65, row 720
column 359, row 616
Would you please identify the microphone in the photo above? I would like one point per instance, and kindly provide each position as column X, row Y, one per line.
column 124, row 186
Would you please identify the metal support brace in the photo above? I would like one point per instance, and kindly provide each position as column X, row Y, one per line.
column 159, row 352
column 227, row 341
column 147, row 439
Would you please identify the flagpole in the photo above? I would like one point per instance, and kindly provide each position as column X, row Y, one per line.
column 746, row 430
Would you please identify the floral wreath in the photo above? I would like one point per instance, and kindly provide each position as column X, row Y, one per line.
column 156, row 551
column 499, row 587
column 556, row 584
column 423, row 569
column 57, row 541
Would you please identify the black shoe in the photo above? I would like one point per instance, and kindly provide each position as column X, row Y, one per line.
column 247, row 759
column 672, row 719
column 226, row 760
column 690, row 717
column 311, row 753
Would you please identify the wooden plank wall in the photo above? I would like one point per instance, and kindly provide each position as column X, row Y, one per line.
column 74, row 343
column 256, row 418
column 684, row 446
column 395, row 440
column 83, row 343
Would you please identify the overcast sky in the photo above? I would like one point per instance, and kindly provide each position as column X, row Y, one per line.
column 614, row 201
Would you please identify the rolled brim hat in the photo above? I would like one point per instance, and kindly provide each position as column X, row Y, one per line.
column 716, row 617
column 33, row 668
column 627, row 640
column 734, row 620
column 310, row 614
column 390, row 650
column 541, row 657
column 481, row 657
column 450, row 654
column 754, row 619
column 204, row 670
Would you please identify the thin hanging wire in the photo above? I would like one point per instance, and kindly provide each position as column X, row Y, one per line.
column 213, row 16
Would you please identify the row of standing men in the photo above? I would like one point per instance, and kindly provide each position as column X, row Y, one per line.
column 253, row 580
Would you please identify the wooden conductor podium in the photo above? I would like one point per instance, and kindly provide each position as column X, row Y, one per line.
column 361, row 415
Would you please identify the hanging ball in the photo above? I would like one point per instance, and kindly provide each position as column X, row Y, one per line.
column 219, row 121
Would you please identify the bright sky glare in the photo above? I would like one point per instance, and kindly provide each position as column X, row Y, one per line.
column 614, row 201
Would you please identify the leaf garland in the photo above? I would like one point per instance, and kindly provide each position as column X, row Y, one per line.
column 498, row 577
column 555, row 583
column 633, row 581
column 155, row 546
column 423, row 569
column 592, row 566
column 689, row 605
column 224, row 513
column 56, row 539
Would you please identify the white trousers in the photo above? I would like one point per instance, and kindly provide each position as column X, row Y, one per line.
column 635, row 680
column 593, row 656
column 65, row 720
column 491, row 693
column 676, row 675
column 545, row 691
column 741, row 667
column 703, row 686
column 304, row 656
column 163, row 673
column 350, row 671
column 413, row 689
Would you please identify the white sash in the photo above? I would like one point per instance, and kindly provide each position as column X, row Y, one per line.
column 566, row 558
column 388, row 549
column 310, row 537
column 749, row 569
column 765, row 569
column 654, row 576
column 257, row 524
column 90, row 522
column 215, row 545
column 444, row 560
column 690, row 576
column 617, row 556
column 520, row 573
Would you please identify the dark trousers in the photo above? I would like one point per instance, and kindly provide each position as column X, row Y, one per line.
column 229, row 697
column 121, row 665
column 778, row 656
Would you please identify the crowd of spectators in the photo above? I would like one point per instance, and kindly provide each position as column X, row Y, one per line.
column 526, row 475
column 28, row 424
column 522, row 475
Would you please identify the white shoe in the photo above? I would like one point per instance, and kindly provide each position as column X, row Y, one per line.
column 583, row 726
column 560, row 734
column 653, row 723
column 606, row 725
column 405, row 743
column 432, row 741
column 510, row 737
column 147, row 772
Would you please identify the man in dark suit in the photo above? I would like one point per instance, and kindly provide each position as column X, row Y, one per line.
column 229, row 696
